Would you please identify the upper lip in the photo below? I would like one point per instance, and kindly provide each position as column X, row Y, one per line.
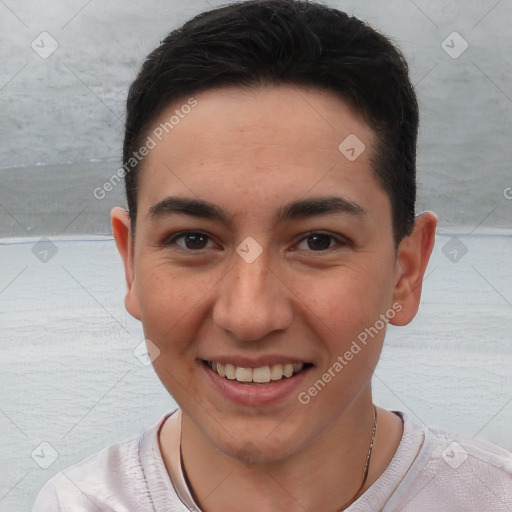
column 246, row 362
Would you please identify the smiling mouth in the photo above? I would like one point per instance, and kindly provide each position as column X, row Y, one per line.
column 261, row 375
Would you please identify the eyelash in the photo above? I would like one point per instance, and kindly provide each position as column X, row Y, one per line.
column 341, row 242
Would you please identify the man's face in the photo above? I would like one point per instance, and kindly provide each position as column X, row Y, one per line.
column 250, row 282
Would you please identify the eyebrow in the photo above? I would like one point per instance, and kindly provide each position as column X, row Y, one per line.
column 299, row 209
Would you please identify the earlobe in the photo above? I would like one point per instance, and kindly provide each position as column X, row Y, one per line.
column 121, row 229
column 412, row 260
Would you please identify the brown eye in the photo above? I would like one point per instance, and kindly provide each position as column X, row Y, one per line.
column 318, row 242
column 192, row 240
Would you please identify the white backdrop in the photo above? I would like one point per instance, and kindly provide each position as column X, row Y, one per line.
column 68, row 374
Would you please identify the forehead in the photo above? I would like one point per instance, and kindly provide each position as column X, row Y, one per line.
column 270, row 144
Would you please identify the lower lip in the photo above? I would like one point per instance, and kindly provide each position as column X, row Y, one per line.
column 255, row 394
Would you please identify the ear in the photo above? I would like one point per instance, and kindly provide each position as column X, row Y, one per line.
column 121, row 230
column 412, row 258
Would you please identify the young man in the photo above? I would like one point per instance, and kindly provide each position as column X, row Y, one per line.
column 255, row 132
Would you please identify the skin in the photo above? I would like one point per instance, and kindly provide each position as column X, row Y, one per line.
column 250, row 152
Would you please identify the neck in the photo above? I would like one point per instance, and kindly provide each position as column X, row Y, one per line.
column 325, row 475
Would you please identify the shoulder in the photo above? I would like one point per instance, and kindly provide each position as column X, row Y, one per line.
column 459, row 453
column 456, row 471
column 111, row 479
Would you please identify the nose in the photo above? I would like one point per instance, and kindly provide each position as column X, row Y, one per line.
column 253, row 301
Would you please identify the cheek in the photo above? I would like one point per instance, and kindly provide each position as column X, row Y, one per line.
column 169, row 301
column 169, row 305
column 350, row 300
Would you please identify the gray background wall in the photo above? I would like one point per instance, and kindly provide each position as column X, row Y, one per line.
column 68, row 374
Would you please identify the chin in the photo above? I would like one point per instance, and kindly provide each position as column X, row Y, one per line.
column 260, row 446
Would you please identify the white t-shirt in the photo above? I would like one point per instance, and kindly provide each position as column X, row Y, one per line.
column 431, row 471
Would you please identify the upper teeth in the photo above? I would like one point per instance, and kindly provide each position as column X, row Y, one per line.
column 262, row 374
